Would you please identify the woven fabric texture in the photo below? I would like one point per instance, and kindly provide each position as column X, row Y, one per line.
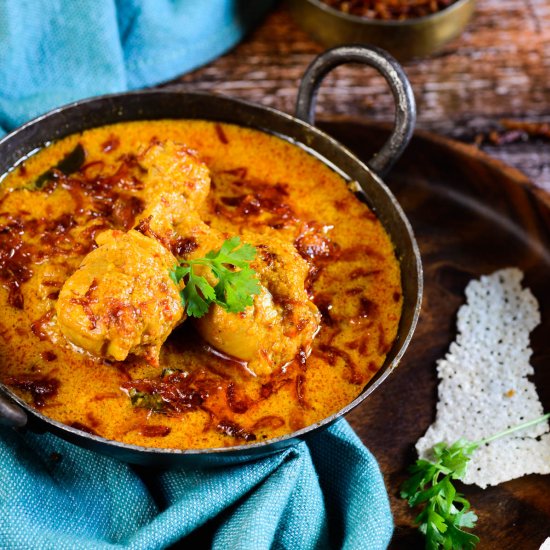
column 327, row 493
column 53, row 52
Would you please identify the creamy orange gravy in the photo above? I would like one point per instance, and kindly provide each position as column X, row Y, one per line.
column 259, row 183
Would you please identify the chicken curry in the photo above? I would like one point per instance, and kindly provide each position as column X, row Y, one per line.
column 93, row 329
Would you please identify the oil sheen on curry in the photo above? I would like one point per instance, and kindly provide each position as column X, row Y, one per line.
column 93, row 332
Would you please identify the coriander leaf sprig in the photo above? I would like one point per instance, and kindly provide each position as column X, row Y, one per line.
column 236, row 280
column 447, row 512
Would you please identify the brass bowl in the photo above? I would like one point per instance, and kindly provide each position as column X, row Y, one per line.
column 416, row 37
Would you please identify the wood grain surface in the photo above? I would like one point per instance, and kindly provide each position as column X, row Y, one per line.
column 471, row 214
column 498, row 68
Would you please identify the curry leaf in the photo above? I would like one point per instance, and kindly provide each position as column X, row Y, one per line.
column 69, row 164
column 145, row 400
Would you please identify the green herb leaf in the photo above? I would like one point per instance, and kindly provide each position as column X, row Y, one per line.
column 446, row 512
column 236, row 280
column 69, row 164
column 145, row 400
column 168, row 371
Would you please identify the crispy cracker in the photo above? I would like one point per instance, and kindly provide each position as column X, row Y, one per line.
column 484, row 387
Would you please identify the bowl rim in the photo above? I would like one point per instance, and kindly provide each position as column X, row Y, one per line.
column 367, row 21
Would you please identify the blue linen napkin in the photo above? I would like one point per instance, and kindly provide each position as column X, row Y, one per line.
column 326, row 493
column 53, row 52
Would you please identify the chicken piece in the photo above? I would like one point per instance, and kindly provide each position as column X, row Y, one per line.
column 176, row 184
column 201, row 236
column 121, row 299
column 281, row 323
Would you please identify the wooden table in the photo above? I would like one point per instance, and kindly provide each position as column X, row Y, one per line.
column 498, row 69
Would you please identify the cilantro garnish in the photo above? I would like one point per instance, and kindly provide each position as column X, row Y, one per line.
column 446, row 512
column 236, row 280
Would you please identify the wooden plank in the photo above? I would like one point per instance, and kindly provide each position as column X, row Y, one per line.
column 498, row 68
column 458, row 242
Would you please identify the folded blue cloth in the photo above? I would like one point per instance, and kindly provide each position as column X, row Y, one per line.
column 53, row 52
column 327, row 493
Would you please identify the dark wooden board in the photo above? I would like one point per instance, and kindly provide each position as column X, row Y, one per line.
column 472, row 215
